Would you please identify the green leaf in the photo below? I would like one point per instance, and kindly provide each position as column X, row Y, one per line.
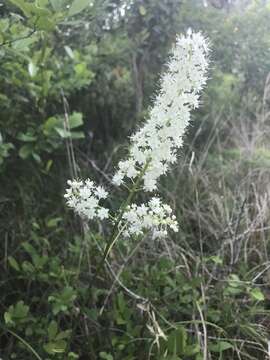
column 23, row 44
column 52, row 330
column 63, row 335
column 80, row 68
column 48, row 165
column 75, row 120
column 25, row 151
column 234, row 280
column 21, row 4
column 42, row 3
column 56, row 347
column 257, row 294
column 77, row 135
column 50, row 124
column 60, row 346
column 4, row 25
column 8, row 318
column 13, row 263
column 36, row 157
column 72, row 355
column 77, row 6
column 220, row 346
column 28, row 137
column 29, row 248
column 20, row 310
column 216, row 259
column 39, row 9
column 192, row 349
column 232, row 291
column 51, row 223
column 106, row 356
column 45, row 23
column 28, row 267
column 63, row 300
column 57, row 5
column 63, row 133
column 177, row 341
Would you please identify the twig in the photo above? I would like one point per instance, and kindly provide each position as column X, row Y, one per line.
column 9, row 42
column 128, row 291
column 69, row 144
column 94, row 165
column 26, row 344
column 205, row 352
column 119, row 274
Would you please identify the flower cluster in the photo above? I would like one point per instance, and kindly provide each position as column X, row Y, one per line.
column 154, row 146
column 84, row 197
column 154, row 216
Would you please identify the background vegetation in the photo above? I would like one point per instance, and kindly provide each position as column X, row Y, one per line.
column 76, row 77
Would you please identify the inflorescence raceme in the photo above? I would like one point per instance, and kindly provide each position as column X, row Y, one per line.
column 161, row 136
column 153, row 147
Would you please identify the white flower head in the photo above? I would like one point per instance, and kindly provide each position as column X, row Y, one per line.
column 100, row 192
column 84, row 196
column 154, row 216
column 155, row 145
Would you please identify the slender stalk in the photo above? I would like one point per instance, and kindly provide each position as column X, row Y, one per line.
column 28, row 346
column 115, row 232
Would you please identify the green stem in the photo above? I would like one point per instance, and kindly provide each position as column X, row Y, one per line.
column 29, row 347
column 123, row 208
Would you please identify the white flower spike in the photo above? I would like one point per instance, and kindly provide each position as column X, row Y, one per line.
column 157, row 142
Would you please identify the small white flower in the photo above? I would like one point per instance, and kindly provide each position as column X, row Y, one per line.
column 85, row 192
column 154, row 217
column 89, row 183
column 154, row 202
column 103, row 213
column 101, row 193
column 142, row 210
column 84, row 196
column 118, row 178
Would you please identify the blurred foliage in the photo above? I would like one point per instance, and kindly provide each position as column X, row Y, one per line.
column 77, row 76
